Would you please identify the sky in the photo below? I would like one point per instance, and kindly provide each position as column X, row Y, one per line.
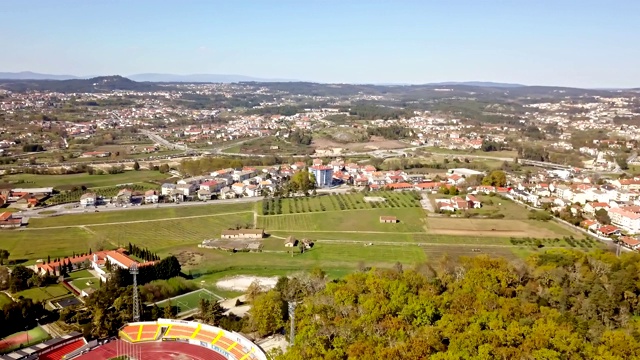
column 580, row 43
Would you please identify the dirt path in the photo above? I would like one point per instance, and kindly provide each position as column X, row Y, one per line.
column 426, row 244
column 135, row 221
column 353, row 232
column 255, row 219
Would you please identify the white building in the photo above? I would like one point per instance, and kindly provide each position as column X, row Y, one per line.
column 88, row 199
column 625, row 220
column 323, row 175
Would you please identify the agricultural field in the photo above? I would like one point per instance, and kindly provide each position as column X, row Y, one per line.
column 410, row 220
column 33, row 244
column 267, row 145
column 338, row 202
column 164, row 234
column 141, row 213
column 83, row 179
column 434, row 253
column 154, row 228
column 494, row 227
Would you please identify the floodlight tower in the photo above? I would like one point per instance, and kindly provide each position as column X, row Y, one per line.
column 133, row 270
column 292, row 317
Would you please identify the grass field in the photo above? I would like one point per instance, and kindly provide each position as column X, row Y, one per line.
column 82, row 284
column 159, row 229
column 410, row 220
column 189, row 301
column 34, row 336
column 79, row 279
column 501, row 154
column 90, row 181
column 80, row 274
column 43, row 293
column 143, row 213
column 488, row 227
column 338, row 202
column 163, row 235
column 4, row 300
column 38, row 243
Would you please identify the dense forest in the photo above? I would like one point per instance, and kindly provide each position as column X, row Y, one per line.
column 561, row 304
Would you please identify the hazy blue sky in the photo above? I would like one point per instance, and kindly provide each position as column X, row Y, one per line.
column 561, row 42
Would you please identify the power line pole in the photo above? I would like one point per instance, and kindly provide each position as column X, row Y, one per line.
column 136, row 301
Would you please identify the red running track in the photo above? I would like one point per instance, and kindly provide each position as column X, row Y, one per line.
column 165, row 350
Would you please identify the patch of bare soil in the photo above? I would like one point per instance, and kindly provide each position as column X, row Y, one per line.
column 189, row 258
column 374, row 143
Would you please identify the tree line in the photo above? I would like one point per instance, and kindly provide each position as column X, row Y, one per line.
column 560, row 304
column 142, row 253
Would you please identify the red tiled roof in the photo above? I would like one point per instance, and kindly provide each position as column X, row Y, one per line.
column 399, row 186
column 608, row 229
column 630, row 241
column 5, row 216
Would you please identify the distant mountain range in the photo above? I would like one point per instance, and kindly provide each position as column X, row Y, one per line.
column 479, row 84
column 150, row 77
column 28, row 77
column 96, row 84
column 205, row 78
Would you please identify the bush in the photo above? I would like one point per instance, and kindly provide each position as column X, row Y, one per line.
column 539, row 215
column 163, row 289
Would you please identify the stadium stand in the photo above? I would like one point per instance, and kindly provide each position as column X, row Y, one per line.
column 59, row 353
column 51, row 349
column 227, row 343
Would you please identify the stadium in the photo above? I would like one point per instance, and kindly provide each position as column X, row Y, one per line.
column 164, row 339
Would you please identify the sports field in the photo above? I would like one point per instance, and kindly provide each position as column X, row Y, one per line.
column 44, row 293
column 189, row 301
column 23, row 339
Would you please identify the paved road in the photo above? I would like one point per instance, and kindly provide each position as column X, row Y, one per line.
column 64, row 208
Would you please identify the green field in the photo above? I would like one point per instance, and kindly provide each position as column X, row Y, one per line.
column 36, row 336
column 139, row 214
column 90, row 181
column 81, row 284
column 80, row 278
column 159, row 229
column 39, row 243
column 338, row 202
column 163, row 235
column 4, row 300
column 43, row 293
column 410, row 220
column 80, row 274
column 189, row 301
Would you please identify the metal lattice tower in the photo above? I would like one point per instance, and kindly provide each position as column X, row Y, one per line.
column 133, row 270
column 292, row 317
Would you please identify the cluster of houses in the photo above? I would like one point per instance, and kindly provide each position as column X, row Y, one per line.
column 458, row 203
column 24, row 198
column 96, row 261
column 619, row 198
column 249, row 182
